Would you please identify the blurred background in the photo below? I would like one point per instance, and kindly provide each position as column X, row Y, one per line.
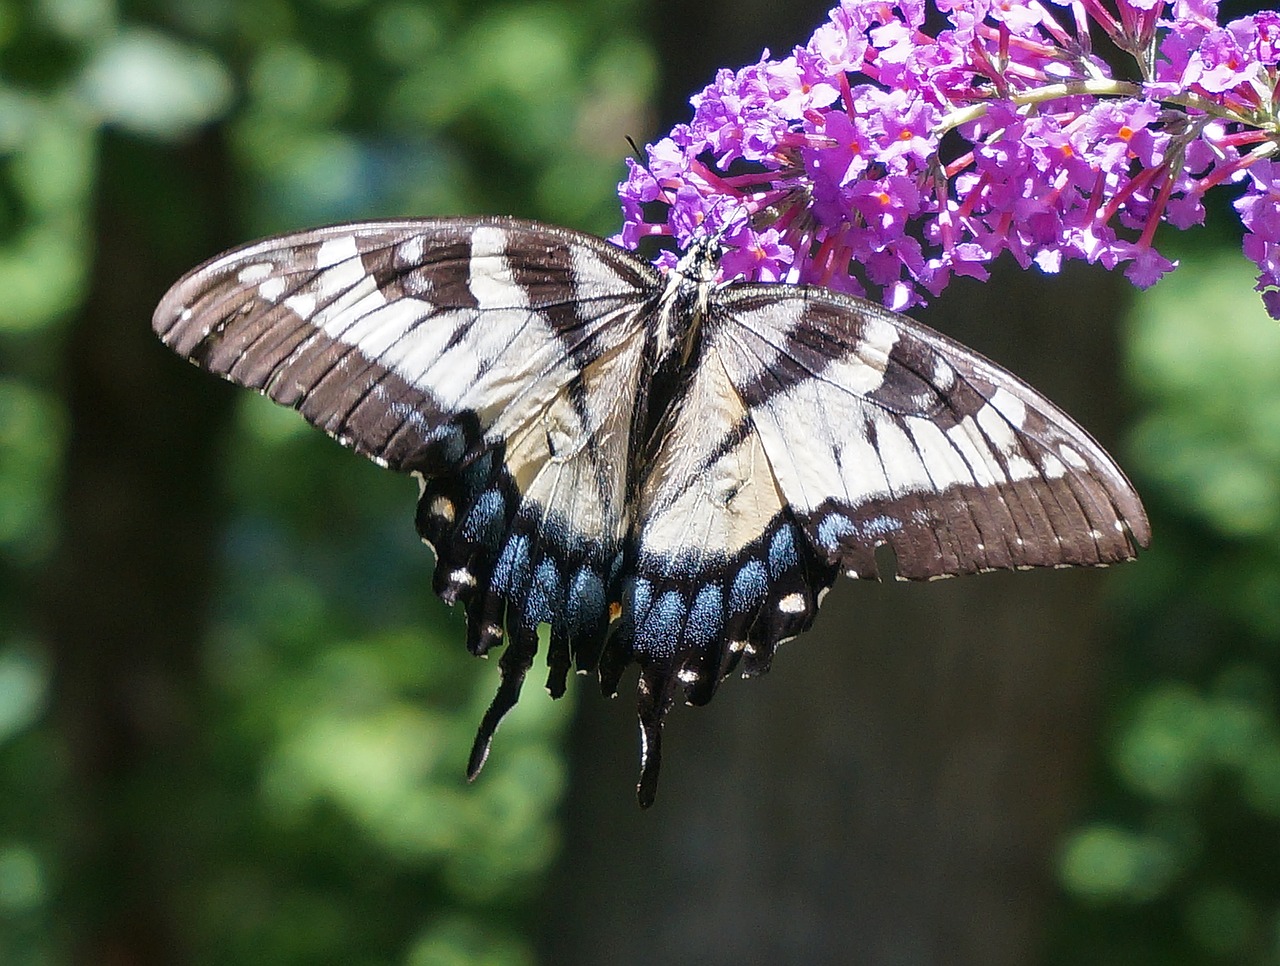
column 234, row 720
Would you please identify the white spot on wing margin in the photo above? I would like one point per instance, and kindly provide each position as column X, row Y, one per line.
column 792, row 604
column 255, row 272
column 272, row 288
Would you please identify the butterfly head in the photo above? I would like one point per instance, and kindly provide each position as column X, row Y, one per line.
column 700, row 262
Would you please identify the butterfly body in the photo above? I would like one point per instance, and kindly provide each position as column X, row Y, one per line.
column 667, row 470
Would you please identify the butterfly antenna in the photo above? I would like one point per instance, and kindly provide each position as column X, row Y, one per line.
column 738, row 217
column 642, row 159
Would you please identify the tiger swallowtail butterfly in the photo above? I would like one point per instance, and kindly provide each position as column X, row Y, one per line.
column 663, row 468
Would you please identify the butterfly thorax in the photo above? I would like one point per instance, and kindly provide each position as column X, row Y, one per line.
column 683, row 305
column 673, row 349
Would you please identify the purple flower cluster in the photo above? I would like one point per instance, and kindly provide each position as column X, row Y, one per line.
column 883, row 159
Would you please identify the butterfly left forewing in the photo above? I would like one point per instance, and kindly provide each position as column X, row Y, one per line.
column 387, row 335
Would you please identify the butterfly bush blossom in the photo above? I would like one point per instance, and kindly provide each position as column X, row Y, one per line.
column 884, row 159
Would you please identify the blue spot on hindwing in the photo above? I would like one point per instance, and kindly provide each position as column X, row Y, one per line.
column 660, row 632
column 511, row 572
column 706, row 616
column 544, row 602
column 782, row 552
column 832, row 529
column 486, row 520
column 881, row 526
column 641, row 593
column 585, row 607
column 836, row 526
column 749, row 587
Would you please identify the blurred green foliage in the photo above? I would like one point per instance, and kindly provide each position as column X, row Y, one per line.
column 31, row 435
column 331, row 822
column 1182, row 863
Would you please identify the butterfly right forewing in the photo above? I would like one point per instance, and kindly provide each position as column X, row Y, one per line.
column 915, row 442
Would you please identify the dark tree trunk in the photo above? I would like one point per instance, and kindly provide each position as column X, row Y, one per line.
column 894, row 791
column 125, row 602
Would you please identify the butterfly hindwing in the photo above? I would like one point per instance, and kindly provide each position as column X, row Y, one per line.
column 913, row 441
column 718, row 570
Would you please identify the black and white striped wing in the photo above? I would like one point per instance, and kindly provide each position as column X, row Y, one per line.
column 880, row 431
column 496, row 359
